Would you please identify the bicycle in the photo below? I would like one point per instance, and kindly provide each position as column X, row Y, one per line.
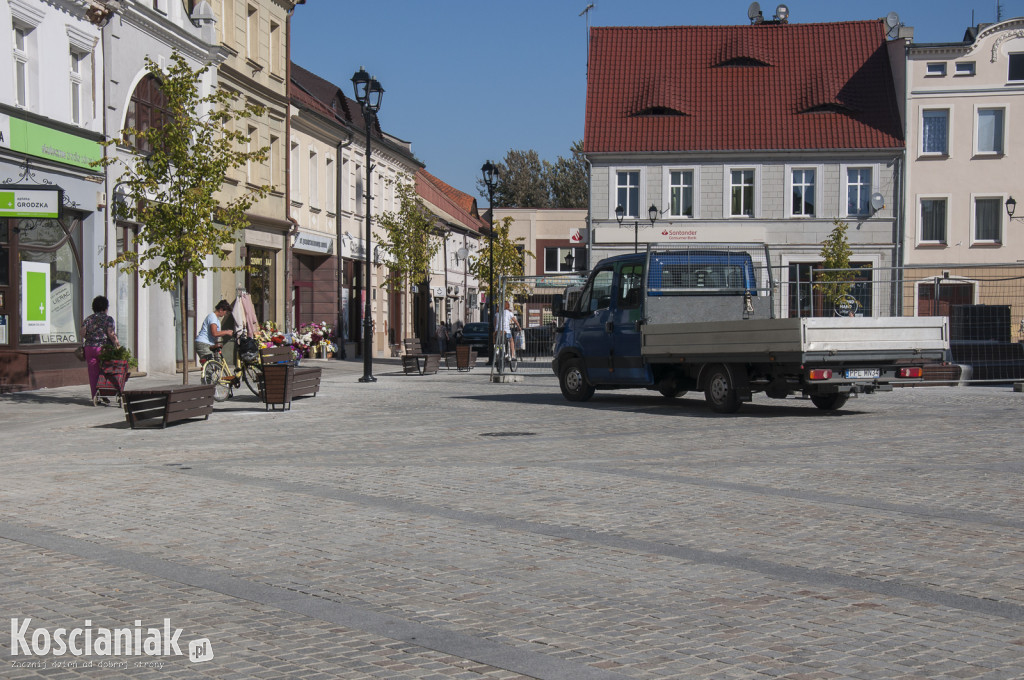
column 226, row 378
column 503, row 354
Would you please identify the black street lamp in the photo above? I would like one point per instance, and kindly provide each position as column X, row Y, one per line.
column 1011, row 207
column 491, row 178
column 368, row 93
column 620, row 213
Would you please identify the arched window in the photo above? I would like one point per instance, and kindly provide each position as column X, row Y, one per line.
column 147, row 108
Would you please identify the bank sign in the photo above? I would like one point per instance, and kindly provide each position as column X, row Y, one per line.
column 18, row 201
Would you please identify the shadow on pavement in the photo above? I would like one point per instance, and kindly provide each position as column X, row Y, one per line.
column 687, row 407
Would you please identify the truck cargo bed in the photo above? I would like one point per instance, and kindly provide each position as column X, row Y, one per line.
column 798, row 339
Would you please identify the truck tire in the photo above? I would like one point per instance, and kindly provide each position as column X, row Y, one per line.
column 830, row 402
column 573, row 381
column 719, row 390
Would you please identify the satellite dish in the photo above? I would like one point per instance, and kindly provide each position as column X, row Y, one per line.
column 782, row 12
column 877, row 201
column 892, row 20
column 754, row 13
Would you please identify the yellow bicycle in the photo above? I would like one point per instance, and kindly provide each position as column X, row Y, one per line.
column 226, row 378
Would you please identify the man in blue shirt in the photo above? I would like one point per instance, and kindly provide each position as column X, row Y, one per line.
column 211, row 332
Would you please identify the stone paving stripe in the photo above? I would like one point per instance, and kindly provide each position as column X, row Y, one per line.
column 832, row 499
column 513, row 659
column 812, row 576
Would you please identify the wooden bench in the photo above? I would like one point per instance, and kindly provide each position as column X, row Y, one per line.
column 306, row 381
column 167, row 404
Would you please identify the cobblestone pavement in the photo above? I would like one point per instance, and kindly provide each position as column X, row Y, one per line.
column 447, row 527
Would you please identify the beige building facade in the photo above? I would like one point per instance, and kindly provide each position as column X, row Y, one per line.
column 965, row 114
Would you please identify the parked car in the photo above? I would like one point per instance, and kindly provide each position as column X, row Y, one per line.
column 476, row 336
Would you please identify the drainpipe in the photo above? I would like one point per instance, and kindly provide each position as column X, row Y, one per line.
column 288, row 170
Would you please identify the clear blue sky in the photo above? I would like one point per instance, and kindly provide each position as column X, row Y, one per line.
column 467, row 80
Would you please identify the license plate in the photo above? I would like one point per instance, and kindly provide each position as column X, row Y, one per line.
column 862, row 373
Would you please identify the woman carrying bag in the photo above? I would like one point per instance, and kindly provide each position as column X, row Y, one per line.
column 98, row 329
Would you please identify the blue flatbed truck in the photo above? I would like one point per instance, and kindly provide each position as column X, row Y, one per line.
column 703, row 319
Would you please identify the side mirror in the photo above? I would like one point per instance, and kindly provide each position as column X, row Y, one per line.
column 558, row 306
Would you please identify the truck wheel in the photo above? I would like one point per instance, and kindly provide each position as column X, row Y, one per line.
column 573, row 381
column 719, row 391
column 830, row 402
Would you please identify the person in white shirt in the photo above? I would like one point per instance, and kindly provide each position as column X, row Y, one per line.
column 211, row 332
column 506, row 322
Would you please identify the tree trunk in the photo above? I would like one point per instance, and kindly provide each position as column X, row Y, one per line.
column 183, row 310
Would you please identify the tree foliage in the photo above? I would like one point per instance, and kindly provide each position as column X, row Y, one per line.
column 171, row 192
column 408, row 237
column 835, row 281
column 526, row 181
column 567, row 180
column 509, row 259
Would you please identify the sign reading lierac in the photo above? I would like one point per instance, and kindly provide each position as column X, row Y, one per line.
column 37, row 140
column 17, row 201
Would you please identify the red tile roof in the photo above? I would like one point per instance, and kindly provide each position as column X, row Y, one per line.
column 326, row 98
column 464, row 200
column 436, row 192
column 758, row 87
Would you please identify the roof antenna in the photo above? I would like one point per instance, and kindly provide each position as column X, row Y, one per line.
column 586, row 11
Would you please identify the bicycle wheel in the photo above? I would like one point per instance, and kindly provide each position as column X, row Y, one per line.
column 499, row 358
column 252, row 374
column 213, row 374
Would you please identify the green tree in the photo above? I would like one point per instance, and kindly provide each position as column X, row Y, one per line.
column 408, row 237
column 568, row 185
column 171, row 190
column 522, row 182
column 835, row 281
column 509, row 260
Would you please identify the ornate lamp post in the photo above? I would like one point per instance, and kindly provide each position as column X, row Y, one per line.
column 1011, row 207
column 368, row 93
column 652, row 213
column 491, row 178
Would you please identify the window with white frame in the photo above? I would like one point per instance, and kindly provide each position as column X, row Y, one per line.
column 21, row 53
column 252, row 145
column 275, row 47
column 804, row 195
column 965, row 68
column 935, row 69
column 77, row 92
column 680, row 193
column 314, row 179
column 627, row 191
column 329, row 182
column 554, row 260
column 988, row 219
column 741, row 192
column 1016, row 68
column 272, row 161
column 858, row 191
column 295, row 184
column 989, row 139
column 934, row 211
column 252, row 34
column 935, row 132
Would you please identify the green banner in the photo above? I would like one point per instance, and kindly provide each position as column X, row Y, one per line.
column 37, row 140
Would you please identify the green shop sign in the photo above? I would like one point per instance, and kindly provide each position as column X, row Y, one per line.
column 37, row 140
column 16, row 201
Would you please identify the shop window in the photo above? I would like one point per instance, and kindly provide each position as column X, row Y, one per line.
column 54, row 243
column 259, row 281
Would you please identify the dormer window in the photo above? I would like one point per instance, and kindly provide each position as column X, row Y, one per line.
column 658, row 111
